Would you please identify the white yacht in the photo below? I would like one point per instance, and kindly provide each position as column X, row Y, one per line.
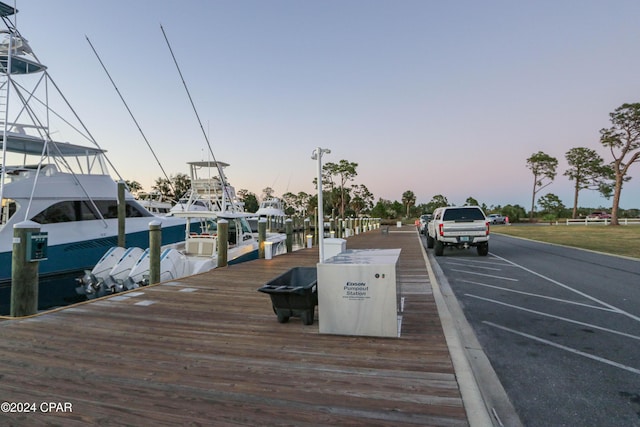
column 270, row 210
column 65, row 187
column 154, row 202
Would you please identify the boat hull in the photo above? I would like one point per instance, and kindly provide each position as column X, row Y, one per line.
column 84, row 254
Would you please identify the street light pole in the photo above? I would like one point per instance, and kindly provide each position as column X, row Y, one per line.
column 317, row 155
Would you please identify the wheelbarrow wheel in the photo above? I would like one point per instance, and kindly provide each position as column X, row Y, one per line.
column 307, row 317
column 282, row 317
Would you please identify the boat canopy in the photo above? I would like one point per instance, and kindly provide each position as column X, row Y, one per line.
column 6, row 10
column 33, row 145
column 208, row 164
column 20, row 65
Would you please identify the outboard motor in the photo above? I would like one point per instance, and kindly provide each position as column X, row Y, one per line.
column 88, row 283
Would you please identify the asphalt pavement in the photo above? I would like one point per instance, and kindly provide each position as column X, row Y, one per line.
column 559, row 326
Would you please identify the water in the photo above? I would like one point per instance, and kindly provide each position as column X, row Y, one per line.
column 52, row 292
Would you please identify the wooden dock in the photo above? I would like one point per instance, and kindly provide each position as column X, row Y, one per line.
column 207, row 350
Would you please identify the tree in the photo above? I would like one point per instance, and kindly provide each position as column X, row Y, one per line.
column 181, row 184
column 383, row 209
column 437, row 201
column 398, row 208
column 345, row 171
column 623, row 141
column 422, row 208
column 133, row 186
column 174, row 187
column 543, row 167
column 290, row 201
column 588, row 172
column 551, row 204
column 313, row 204
column 514, row 212
column 249, row 199
column 267, row 193
column 362, row 199
column 408, row 200
column 471, row 202
column 336, row 198
column 163, row 186
column 303, row 201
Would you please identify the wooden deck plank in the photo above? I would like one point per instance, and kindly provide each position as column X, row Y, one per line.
column 208, row 350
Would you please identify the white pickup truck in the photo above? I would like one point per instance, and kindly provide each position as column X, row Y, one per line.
column 459, row 227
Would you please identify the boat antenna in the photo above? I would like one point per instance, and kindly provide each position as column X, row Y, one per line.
column 222, row 177
column 288, row 182
column 132, row 117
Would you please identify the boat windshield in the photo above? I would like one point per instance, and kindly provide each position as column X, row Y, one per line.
column 246, row 228
column 82, row 210
column 210, row 225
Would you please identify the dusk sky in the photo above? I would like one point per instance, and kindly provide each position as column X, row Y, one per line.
column 436, row 97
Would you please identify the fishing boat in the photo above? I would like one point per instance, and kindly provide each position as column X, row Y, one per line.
column 271, row 207
column 154, row 202
column 209, row 190
column 209, row 200
column 65, row 187
column 270, row 210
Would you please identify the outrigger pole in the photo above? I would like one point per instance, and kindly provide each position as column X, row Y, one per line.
column 132, row 117
column 222, row 177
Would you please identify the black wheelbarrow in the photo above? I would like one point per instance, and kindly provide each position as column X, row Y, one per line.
column 294, row 293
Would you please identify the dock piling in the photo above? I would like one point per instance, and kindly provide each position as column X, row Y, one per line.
column 289, row 231
column 223, row 242
column 155, row 241
column 262, row 236
column 24, row 272
column 122, row 213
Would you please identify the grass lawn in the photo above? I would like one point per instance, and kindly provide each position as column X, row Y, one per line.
column 618, row 240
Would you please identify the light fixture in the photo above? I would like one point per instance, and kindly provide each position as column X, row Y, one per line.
column 317, row 155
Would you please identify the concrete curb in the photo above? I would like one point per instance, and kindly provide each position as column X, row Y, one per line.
column 483, row 396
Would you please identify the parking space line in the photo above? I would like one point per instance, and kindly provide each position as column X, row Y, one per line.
column 616, row 309
column 540, row 313
column 539, row 296
column 474, row 266
column 486, row 275
column 569, row 349
column 483, row 262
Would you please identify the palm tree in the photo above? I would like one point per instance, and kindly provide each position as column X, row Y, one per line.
column 134, row 186
column 408, row 199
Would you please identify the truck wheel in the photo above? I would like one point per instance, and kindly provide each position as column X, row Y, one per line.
column 439, row 248
column 483, row 249
column 429, row 241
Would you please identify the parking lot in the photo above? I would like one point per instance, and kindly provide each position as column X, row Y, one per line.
column 561, row 328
